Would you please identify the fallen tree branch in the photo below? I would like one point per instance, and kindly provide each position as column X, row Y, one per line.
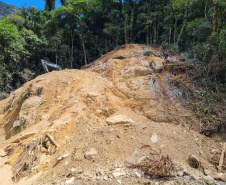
column 53, row 141
column 222, row 157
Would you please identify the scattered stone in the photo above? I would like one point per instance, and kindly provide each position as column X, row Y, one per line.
column 119, row 181
column 154, row 138
column 138, row 175
column 63, row 156
column 141, row 159
column 208, row 179
column 119, row 119
column 187, row 177
column 106, row 177
column 136, row 153
column 99, row 111
column 118, row 172
column 45, row 117
column 213, row 151
column 92, row 94
column 90, row 153
column 70, row 180
column 207, row 172
column 180, row 173
column 195, row 177
column 73, row 170
column 222, row 176
column 16, row 123
column 111, row 130
column 3, row 153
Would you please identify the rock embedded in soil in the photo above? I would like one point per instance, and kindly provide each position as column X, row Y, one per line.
column 208, row 179
column 106, row 177
column 92, row 94
column 70, row 180
column 154, row 138
column 221, row 176
column 90, row 153
column 119, row 119
column 207, row 172
column 118, row 172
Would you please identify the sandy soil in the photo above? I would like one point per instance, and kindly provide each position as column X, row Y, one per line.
column 73, row 107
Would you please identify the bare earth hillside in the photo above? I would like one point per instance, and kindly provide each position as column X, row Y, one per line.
column 120, row 120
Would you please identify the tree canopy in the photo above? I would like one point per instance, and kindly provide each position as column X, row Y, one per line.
column 80, row 31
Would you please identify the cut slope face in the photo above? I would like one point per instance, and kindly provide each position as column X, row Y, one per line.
column 113, row 113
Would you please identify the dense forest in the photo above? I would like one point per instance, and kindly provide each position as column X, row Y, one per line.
column 80, row 31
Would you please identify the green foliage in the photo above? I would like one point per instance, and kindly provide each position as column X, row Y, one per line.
column 7, row 9
column 11, row 42
column 80, row 31
column 20, row 128
column 174, row 48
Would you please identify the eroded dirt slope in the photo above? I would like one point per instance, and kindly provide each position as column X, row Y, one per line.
column 96, row 125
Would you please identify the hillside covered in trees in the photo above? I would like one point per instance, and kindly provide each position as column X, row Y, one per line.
column 7, row 9
column 80, row 31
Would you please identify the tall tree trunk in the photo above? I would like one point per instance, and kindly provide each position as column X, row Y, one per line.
column 72, row 48
column 131, row 25
column 50, row 5
column 215, row 16
column 181, row 31
column 151, row 42
column 205, row 10
column 56, row 57
column 157, row 36
column 170, row 33
column 175, row 31
column 83, row 47
column 147, row 39
column 106, row 46
column 155, row 33
column 125, row 30
column 222, row 18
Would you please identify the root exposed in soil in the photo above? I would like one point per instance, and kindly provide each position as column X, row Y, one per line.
column 157, row 166
column 29, row 158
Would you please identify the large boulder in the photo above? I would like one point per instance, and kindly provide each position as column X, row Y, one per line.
column 27, row 111
column 158, row 65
